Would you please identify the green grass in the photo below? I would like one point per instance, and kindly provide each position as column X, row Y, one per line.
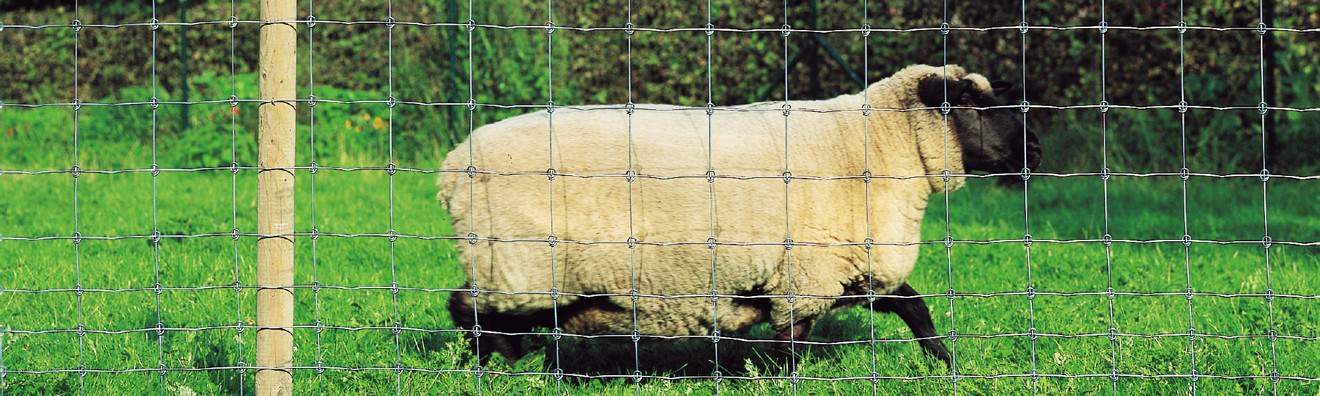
column 357, row 202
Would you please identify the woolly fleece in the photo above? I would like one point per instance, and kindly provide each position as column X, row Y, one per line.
column 672, row 206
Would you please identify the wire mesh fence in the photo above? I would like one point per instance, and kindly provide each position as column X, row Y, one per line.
column 313, row 331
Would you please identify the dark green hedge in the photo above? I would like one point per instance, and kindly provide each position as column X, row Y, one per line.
column 1063, row 67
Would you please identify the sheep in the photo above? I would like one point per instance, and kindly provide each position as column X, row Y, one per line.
column 623, row 196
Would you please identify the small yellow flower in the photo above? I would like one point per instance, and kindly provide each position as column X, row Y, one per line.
column 366, row 116
column 348, row 124
column 378, row 123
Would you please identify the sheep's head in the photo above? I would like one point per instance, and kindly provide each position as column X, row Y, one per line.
column 992, row 140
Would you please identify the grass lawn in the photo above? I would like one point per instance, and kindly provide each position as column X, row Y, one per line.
column 199, row 306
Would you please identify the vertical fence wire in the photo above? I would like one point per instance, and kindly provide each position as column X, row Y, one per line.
column 1265, row 206
column 396, row 318
column 1187, row 245
column 710, row 191
column 788, row 226
column 233, row 199
column 550, row 182
column 155, row 230
column 77, row 234
column 471, row 173
column 315, row 273
column 632, row 232
column 944, row 176
column 1107, row 238
column 1026, row 208
column 869, row 241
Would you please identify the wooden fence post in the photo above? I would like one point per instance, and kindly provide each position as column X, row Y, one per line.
column 275, row 198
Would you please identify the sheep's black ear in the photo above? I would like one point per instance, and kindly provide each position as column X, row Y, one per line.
column 931, row 89
column 1001, row 87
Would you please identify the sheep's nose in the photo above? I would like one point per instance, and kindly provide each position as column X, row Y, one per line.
column 1033, row 151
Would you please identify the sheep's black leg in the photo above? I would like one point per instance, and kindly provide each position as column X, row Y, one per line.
column 783, row 350
column 913, row 311
column 460, row 310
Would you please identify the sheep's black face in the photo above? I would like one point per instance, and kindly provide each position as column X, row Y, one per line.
column 992, row 140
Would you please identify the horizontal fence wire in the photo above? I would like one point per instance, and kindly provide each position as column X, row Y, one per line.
column 697, row 29
column 396, row 326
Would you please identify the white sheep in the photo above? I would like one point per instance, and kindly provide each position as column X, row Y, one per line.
column 521, row 165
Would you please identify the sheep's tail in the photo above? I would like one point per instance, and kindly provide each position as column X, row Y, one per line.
column 447, row 183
